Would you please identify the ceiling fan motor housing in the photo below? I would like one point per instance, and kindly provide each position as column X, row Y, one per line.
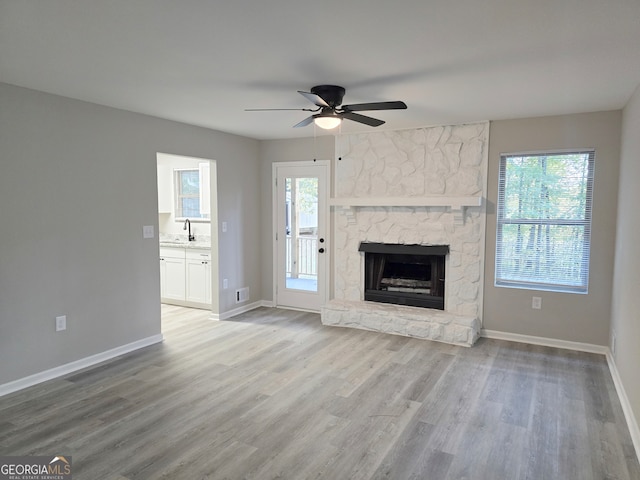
column 332, row 94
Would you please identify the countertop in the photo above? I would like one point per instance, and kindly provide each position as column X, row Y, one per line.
column 178, row 240
column 193, row 244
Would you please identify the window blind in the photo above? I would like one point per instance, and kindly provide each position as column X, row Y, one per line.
column 544, row 220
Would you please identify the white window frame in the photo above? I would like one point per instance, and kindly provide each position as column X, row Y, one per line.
column 501, row 277
column 179, row 217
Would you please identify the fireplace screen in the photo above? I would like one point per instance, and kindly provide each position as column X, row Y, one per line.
column 405, row 274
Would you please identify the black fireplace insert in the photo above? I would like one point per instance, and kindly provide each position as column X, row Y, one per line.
column 405, row 274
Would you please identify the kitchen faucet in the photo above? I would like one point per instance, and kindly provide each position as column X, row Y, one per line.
column 188, row 222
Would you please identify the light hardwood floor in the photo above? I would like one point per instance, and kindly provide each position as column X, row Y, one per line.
column 274, row 394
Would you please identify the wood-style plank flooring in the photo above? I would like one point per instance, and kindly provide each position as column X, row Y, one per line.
column 275, row 394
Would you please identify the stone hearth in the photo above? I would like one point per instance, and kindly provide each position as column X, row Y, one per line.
column 417, row 322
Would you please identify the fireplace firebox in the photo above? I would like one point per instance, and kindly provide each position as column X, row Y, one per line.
column 405, row 274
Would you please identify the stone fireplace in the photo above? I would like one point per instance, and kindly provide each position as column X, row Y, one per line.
column 412, row 188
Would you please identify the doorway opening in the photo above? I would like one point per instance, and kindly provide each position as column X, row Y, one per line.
column 187, row 231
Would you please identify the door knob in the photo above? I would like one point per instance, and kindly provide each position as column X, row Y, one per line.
column 321, row 250
column 321, row 240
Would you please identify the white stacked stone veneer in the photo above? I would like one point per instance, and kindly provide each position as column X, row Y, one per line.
column 448, row 161
column 415, row 322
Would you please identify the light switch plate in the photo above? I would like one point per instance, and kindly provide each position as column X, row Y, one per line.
column 147, row 231
column 61, row 323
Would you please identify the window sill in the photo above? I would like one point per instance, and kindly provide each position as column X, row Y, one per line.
column 542, row 288
column 192, row 220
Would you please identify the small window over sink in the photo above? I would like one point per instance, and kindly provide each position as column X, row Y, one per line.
column 192, row 197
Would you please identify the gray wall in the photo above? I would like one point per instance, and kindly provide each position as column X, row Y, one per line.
column 625, row 313
column 272, row 151
column 570, row 317
column 77, row 183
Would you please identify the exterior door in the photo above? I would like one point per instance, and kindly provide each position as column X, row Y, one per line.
column 301, row 236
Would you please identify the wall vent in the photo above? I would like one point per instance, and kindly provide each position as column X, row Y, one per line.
column 242, row 295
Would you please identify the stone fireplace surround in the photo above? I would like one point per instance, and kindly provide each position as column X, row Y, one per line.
column 422, row 186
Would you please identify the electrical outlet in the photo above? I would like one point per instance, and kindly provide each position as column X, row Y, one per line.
column 225, row 284
column 536, row 303
column 61, row 323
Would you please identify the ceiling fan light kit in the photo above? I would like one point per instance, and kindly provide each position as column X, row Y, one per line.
column 327, row 122
column 328, row 100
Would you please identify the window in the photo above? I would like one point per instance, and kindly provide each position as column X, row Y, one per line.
column 188, row 195
column 544, row 221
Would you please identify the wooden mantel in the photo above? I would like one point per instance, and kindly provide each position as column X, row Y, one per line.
column 349, row 205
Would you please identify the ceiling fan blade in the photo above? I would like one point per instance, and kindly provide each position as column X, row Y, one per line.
column 360, row 107
column 304, row 122
column 313, row 98
column 275, row 109
column 356, row 117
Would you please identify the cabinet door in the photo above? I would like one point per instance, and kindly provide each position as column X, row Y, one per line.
column 163, row 276
column 198, row 281
column 174, row 281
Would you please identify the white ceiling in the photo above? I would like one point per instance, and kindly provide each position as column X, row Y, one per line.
column 204, row 61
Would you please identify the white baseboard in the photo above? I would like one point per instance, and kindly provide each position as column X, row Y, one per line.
column 544, row 341
column 241, row 309
column 297, row 309
column 632, row 423
column 67, row 368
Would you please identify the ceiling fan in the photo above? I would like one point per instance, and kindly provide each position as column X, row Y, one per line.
column 331, row 112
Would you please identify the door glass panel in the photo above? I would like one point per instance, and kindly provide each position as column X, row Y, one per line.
column 301, row 225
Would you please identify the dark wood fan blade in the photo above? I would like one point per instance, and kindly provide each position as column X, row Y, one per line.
column 360, row 107
column 304, row 122
column 356, row 117
column 313, row 98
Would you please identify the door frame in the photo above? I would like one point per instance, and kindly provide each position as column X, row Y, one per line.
column 326, row 165
column 214, row 282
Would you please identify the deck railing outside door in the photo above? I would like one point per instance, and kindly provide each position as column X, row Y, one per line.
column 306, row 265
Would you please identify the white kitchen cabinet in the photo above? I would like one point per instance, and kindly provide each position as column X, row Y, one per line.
column 185, row 276
column 172, row 273
column 198, row 276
